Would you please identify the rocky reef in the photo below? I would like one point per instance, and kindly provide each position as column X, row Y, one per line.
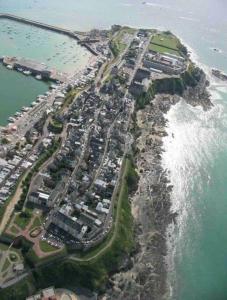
column 145, row 274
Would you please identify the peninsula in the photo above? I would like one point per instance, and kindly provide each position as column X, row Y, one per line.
column 84, row 201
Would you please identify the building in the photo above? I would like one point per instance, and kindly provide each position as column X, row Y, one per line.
column 46, row 294
column 39, row 198
column 167, row 63
column 138, row 88
column 69, row 224
column 142, row 74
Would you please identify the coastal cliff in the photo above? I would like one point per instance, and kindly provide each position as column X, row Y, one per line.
column 146, row 276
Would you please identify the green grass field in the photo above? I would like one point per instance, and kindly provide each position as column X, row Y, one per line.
column 14, row 230
column 45, row 247
column 6, row 265
column 22, row 221
column 36, row 223
column 163, row 42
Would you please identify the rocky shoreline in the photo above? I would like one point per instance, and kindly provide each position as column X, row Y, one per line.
column 146, row 274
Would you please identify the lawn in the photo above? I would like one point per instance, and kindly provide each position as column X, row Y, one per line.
column 4, row 247
column 166, row 40
column 36, row 223
column 165, row 43
column 23, row 219
column 14, row 230
column 6, row 265
column 45, row 247
column 162, row 49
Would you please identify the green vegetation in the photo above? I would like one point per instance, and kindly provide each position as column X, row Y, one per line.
column 190, row 78
column 19, row 291
column 45, row 247
column 6, row 265
column 3, row 247
column 55, row 125
column 4, row 141
column 33, row 260
column 166, row 42
column 92, row 270
column 161, row 49
column 14, row 230
column 36, row 223
column 26, row 183
column 118, row 43
column 13, row 257
column 23, row 219
column 172, row 85
column 69, row 98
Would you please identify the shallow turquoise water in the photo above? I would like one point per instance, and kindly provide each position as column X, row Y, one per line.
column 197, row 156
column 55, row 50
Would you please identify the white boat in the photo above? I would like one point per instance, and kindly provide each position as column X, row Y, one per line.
column 54, row 86
column 33, row 104
column 9, row 67
column 25, row 108
column 11, row 119
column 20, row 70
column 27, row 72
column 39, row 77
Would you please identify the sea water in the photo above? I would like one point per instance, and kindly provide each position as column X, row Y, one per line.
column 17, row 90
column 197, row 155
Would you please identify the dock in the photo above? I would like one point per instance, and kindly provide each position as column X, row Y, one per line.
column 35, row 68
column 79, row 36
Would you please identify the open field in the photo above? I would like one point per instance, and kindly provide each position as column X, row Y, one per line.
column 23, row 219
column 165, row 43
column 45, row 247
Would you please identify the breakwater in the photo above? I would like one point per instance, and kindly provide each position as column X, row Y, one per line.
column 31, row 67
column 79, row 36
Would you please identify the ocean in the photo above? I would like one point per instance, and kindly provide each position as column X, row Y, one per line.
column 196, row 153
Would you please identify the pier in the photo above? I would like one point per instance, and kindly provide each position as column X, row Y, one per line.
column 35, row 68
column 79, row 36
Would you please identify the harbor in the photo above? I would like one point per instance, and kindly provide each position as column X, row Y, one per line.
column 24, row 92
column 30, row 67
column 81, row 37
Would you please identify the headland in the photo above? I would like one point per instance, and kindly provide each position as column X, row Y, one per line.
column 84, row 199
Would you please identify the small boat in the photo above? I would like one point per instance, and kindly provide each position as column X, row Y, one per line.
column 216, row 50
column 27, row 72
column 10, row 67
column 38, row 77
column 11, row 119
column 20, row 70
column 25, row 108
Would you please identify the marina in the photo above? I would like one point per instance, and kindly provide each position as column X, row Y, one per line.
column 25, row 90
column 57, row 51
column 30, row 67
column 79, row 36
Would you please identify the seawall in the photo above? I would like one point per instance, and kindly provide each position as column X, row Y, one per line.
column 73, row 34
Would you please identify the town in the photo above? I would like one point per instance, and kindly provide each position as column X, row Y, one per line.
column 62, row 158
